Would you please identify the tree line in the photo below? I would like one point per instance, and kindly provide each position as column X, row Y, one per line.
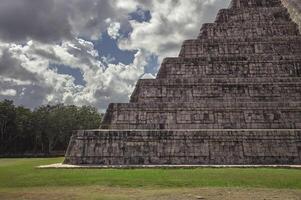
column 43, row 131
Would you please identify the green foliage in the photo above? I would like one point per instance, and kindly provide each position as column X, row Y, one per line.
column 7, row 119
column 45, row 130
column 22, row 173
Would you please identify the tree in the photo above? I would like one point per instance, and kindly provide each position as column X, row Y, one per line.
column 88, row 117
column 45, row 130
column 7, row 122
column 23, row 135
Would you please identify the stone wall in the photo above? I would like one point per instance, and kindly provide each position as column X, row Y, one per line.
column 287, row 45
column 161, row 147
column 206, row 115
column 193, row 90
column 176, row 68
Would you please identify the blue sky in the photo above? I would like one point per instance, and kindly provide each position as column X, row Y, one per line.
column 107, row 47
column 91, row 52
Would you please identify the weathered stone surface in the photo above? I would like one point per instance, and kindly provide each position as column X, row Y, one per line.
column 233, row 96
column 175, row 147
column 206, row 115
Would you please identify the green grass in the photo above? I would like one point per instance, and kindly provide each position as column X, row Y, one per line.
column 20, row 179
column 21, row 173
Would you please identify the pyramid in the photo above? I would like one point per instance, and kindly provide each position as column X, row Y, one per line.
column 232, row 96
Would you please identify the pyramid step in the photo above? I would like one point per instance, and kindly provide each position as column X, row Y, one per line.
column 288, row 45
column 243, row 4
column 207, row 104
column 248, row 30
column 266, row 57
column 263, row 14
column 190, row 147
column 237, row 58
column 200, row 115
column 192, row 90
column 222, row 80
column 172, row 68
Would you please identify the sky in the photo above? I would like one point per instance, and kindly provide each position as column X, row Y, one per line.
column 91, row 52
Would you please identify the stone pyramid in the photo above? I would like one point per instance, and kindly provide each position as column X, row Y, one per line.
column 233, row 96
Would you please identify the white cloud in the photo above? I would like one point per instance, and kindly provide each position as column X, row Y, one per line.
column 26, row 74
column 103, row 84
column 148, row 76
column 113, row 30
column 172, row 22
column 9, row 92
column 56, row 20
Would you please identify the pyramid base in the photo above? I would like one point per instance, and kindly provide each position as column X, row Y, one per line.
column 185, row 147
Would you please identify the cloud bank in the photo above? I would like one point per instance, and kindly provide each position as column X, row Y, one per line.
column 44, row 42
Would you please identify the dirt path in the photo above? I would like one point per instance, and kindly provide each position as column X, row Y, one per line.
column 112, row 193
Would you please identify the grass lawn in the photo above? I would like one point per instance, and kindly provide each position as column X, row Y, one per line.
column 19, row 179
